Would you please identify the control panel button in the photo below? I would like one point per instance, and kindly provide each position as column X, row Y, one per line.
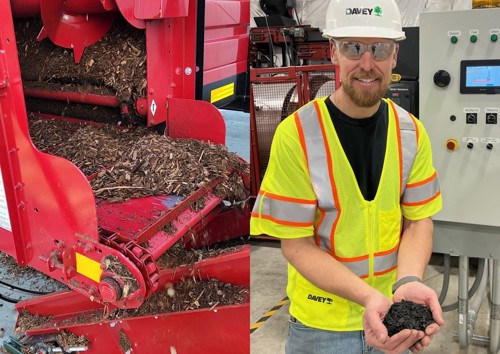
column 451, row 144
column 494, row 37
column 470, row 145
column 454, row 39
column 471, row 118
column 491, row 118
column 453, row 117
column 442, row 78
column 489, row 146
column 473, row 38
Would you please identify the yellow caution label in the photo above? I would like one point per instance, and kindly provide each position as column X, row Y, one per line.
column 222, row 92
column 88, row 267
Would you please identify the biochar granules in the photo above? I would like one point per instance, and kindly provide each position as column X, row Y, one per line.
column 407, row 314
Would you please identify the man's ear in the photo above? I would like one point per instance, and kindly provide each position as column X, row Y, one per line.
column 395, row 56
column 333, row 53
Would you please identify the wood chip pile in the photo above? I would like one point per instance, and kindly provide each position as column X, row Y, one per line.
column 178, row 255
column 188, row 295
column 117, row 62
column 184, row 296
column 137, row 162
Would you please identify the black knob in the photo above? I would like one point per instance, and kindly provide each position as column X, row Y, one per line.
column 442, row 78
column 453, row 118
column 470, row 145
column 489, row 146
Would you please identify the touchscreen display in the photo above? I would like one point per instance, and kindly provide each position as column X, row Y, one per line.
column 480, row 76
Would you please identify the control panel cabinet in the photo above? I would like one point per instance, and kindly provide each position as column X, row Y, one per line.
column 460, row 107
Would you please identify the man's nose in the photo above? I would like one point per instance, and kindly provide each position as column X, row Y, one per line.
column 366, row 61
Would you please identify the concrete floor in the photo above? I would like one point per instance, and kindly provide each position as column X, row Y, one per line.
column 268, row 284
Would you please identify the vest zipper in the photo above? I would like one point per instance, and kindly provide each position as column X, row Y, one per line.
column 371, row 233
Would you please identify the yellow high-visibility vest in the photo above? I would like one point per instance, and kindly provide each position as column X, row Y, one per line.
column 310, row 189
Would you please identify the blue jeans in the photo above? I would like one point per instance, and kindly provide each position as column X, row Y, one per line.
column 307, row 340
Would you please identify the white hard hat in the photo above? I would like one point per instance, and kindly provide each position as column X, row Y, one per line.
column 363, row 18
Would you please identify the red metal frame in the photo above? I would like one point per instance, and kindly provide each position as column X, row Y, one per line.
column 222, row 329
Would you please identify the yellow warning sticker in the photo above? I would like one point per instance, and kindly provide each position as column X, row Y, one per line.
column 222, row 92
column 88, row 267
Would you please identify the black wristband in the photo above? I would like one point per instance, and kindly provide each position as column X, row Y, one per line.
column 405, row 280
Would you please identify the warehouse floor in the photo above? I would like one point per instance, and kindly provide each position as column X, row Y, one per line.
column 269, row 306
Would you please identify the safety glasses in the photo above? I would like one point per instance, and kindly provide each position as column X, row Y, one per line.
column 354, row 50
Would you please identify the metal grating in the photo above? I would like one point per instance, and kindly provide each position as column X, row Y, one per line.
column 275, row 94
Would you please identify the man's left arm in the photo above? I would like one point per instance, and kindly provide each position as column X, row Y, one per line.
column 414, row 253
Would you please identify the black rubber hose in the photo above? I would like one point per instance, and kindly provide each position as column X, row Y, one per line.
column 25, row 290
column 473, row 289
column 8, row 299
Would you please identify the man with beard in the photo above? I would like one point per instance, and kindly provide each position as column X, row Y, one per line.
column 350, row 190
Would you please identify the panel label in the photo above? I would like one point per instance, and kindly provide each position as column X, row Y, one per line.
column 491, row 110
column 490, row 140
column 470, row 139
column 472, row 110
column 474, row 32
column 495, row 31
column 4, row 212
column 454, row 33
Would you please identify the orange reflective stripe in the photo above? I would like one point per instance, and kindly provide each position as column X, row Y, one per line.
column 416, row 184
column 423, row 202
column 332, row 177
column 282, row 222
column 301, row 135
column 383, row 263
column 285, row 210
column 287, row 199
column 400, row 152
column 320, row 169
column 422, row 192
column 407, row 137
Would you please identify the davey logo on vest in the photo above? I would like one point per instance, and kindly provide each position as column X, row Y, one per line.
column 321, row 299
column 377, row 11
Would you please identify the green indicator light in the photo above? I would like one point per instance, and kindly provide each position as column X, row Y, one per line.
column 494, row 37
column 454, row 39
column 473, row 38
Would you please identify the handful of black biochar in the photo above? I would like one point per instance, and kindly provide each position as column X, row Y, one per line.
column 407, row 314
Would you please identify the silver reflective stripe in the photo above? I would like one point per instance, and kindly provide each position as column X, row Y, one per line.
column 360, row 268
column 422, row 192
column 287, row 211
column 409, row 144
column 318, row 170
column 384, row 263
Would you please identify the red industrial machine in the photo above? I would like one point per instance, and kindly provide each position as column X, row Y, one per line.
column 195, row 57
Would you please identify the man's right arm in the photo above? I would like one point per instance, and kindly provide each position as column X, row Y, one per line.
column 324, row 271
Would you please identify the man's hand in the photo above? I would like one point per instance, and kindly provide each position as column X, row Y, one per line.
column 422, row 294
column 376, row 333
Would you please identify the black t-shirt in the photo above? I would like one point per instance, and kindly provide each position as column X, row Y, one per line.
column 364, row 142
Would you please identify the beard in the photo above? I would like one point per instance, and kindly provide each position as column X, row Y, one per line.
column 364, row 97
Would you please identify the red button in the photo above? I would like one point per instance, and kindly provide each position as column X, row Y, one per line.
column 452, row 144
